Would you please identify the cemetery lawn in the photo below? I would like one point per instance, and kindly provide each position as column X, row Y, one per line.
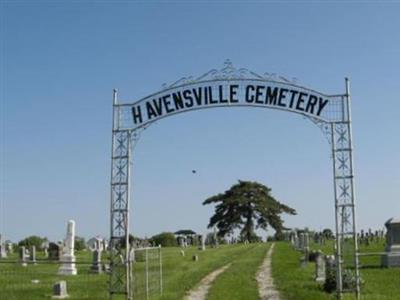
column 16, row 281
column 296, row 283
column 238, row 281
column 182, row 274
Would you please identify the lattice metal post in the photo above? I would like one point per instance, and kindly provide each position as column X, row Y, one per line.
column 346, row 229
column 119, row 206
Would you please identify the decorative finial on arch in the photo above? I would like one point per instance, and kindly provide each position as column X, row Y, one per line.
column 228, row 63
column 229, row 72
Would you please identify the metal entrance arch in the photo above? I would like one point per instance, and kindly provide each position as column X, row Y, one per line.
column 231, row 87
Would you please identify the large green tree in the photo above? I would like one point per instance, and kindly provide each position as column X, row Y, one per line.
column 247, row 206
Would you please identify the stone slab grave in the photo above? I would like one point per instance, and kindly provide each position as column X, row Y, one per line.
column 32, row 256
column 68, row 257
column 60, row 290
column 392, row 257
column 23, row 256
column 53, row 251
column 3, row 252
column 96, row 262
column 320, row 270
column 201, row 242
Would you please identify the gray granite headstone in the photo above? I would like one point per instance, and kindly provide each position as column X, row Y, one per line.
column 10, row 248
column 60, row 290
column 3, row 252
column 33, row 255
column 320, row 273
column 392, row 257
column 22, row 256
column 201, row 242
column 96, row 264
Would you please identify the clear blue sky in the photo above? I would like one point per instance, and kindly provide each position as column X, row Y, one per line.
column 61, row 60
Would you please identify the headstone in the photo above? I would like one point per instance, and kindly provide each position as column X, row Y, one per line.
column 392, row 257
column 306, row 248
column 10, row 248
column 54, row 251
column 182, row 253
column 68, row 257
column 96, row 264
column 132, row 257
column 202, row 242
column 296, row 242
column 3, row 252
column 60, row 290
column 301, row 241
column 320, row 267
column 195, row 258
column 215, row 238
column 22, row 256
column 33, row 255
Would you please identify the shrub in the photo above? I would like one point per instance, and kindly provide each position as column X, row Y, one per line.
column 32, row 240
column 165, row 239
column 80, row 243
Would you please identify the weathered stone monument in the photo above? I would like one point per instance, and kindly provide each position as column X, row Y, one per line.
column 60, row 290
column 301, row 241
column 22, row 256
column 392, row 257
column 3, row 252
column 96, row 264
column 68, row 257
column 33, row 255
column 54, row 251
column 45, row 247
column 10, row 248
column 215, row 238
column 320, row 272
column 201, row 242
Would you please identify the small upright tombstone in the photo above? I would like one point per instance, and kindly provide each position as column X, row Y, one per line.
column 53, row 251
column 301, row 241
column 306, row 246
column 3, row 252
column 392, row 256
column 45, row 247
column 182, row 241
column 201, row 242
column 60, row 290
column 22, row 256
column 96, row 264
column 215, row 238
column 320, row 273
column 68, row 257
column 10, row 248
column 33, row 255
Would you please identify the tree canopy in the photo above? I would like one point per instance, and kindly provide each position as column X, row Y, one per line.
column 32, row 240
column 247, row 206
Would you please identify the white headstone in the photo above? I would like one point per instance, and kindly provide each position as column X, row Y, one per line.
column 68, row 257
column 320, row 273
column 3, row 252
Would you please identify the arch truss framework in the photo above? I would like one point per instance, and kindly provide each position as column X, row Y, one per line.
column 227, row 87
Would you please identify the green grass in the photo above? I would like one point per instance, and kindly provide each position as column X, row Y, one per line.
column 180, row 274
column 16, row 281
column 293, row 281
column 238, row 281
column 296, row 283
